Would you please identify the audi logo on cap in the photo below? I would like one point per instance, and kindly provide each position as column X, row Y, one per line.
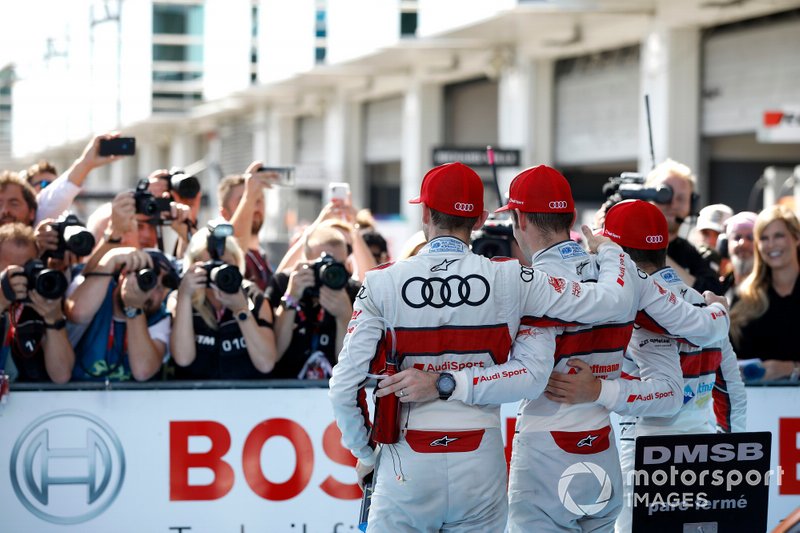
column 561, row 204
column 460, row 206
column 654, row 239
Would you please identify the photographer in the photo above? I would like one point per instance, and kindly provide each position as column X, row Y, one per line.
column 17, row 199
column 222, row 327
column 33, row 325
column 121, row 304
column 314, row 304
column 134, row 218
column 682, row 256
column 59, row 195
column 241, row 203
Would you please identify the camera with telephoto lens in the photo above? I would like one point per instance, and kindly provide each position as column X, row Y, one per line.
column 49, row 283
column 225, row 277
column 494, row 238
column 72, row 237
column 327, row 272
column 185, row 186
column 147, row 204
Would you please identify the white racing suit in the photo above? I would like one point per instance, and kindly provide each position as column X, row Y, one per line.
column 452, row 309
column 710, row 377
column 556, row 442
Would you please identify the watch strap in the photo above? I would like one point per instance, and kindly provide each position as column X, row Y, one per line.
column 57, row 325
column 133, row 312
column 288, row 302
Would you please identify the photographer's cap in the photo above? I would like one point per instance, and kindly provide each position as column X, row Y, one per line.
column 540, row 189
column 713, row 217
column 454, row 189
column 637, row 224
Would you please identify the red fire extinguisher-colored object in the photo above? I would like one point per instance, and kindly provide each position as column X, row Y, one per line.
column 386, row 423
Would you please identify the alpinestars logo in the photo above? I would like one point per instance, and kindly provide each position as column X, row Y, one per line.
column 443, row 266
column 444, row 441
column 587, row 441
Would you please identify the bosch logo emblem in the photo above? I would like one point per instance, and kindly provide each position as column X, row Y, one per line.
column 582, row 508
column 561, row 204
column 451, row 291
column 460, row 206
column 654, row 239
column 67, row 467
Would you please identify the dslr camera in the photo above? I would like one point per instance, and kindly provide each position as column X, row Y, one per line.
column 147, row 278
column 225, row 277
column 147, row 204
column 494, row 238
column 49, row 283
column 327, row 272
column 72, row 236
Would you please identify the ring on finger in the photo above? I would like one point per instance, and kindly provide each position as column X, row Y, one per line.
column 402, row 393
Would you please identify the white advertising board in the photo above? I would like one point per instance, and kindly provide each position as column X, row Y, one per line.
column 239, row 461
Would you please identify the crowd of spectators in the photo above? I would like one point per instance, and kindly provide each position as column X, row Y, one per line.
column 107, row 302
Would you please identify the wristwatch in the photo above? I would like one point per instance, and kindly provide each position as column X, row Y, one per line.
column 242, row 314
column 288, row 302
column 445, row 384
column 132, row 312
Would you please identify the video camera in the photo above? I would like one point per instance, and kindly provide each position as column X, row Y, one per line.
column 148, row 204
column 72, row 236
column 327, row 272
column 225, row 277
column 630, row 186
column 494, row 238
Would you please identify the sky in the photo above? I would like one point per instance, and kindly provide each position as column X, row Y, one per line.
column 26, row 22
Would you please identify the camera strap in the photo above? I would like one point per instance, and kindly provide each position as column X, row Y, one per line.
column 5, row 284
column 5, row 350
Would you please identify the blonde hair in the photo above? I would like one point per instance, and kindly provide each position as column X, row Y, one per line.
column 197, row 246
column 668, row 168
column 753, row 292
column 328, row 233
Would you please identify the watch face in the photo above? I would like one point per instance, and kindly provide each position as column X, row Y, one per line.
column 446, row 384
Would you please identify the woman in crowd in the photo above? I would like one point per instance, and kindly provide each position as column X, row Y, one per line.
column 764, row 315
column 222, row 327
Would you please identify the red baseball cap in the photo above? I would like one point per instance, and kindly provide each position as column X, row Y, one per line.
column 540, row 189
column 453, row 188
column 637, row 224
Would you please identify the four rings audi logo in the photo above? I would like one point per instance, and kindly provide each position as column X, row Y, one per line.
column 460, row 206
column 451, row 291
column 654, row 239
column 562, row 204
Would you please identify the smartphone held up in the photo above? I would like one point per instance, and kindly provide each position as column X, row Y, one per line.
column 117, row 146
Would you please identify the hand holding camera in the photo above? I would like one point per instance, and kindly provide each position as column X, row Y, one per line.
column 49, row 309
column 129, row 258
column 233, row 301
column 123, row 214
column 194, row 279
column 131, row 293
column 14, row 286
column 336, row 302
